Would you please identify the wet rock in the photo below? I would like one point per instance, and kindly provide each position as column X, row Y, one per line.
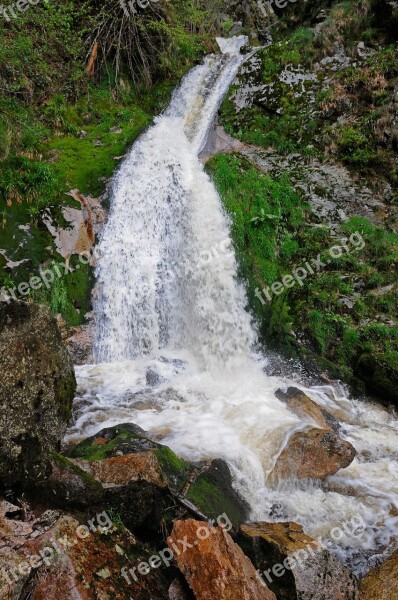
column 124, row 470
column 36, row 390
column 236, row 28
column 118, row 468
column 381, row 583
column 80, row 343
column 213, row 492
column 307, row 409
column 219, row 141
column 314, row 454
column 380, row 373
column 128, row 469
column 10, row 588
column 120, row 440
column 214, row 566
column 69, row 485
column 79, row 236
column 294, row 565
column 153, row 378
column 179, row 590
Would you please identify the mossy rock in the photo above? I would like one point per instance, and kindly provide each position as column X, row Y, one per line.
column 68, row 482
column 208, row 487
column 114, row 441
column 213, row 492
column 36, row 391
column 380, row 373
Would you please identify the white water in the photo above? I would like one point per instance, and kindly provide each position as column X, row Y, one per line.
column 175, row 345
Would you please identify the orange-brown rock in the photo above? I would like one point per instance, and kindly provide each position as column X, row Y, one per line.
column 381, row 583
column 314, row 454
column 307, row 409
column 214, row 566
column 89, row 569
column 294, row 565
column 122, row 470
column 286, row 536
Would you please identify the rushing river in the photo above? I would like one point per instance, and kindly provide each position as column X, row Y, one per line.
column 175, row 347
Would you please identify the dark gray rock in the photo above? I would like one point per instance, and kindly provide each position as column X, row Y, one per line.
column 37, row 385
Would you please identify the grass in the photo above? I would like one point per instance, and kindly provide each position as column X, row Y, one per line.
column 60, row 129
column 273, row 236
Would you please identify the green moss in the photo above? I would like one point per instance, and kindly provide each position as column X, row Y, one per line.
column 67, row 465
column 266, row 215
column 213, row 493
column 82, row 161
column 174, row 467
column 355, row 148
column 86, row 450
column 272, row 238
column 380, row 372
column 205, row 494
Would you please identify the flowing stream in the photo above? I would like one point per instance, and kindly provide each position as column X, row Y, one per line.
column 175, row 348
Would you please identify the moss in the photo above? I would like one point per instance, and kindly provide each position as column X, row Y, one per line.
column 213, row 493
column 380, row 372
column 175, row 468
column 67, row 465
column 86, row 450
column 266, row 215
column 83, row 161
column 65, row 390
column 272, row 237
column 205, row 494
column 355, row 148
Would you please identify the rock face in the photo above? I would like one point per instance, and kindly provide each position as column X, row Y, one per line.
column 380, row 373
column 214, row 566
column 36, row 390
column 381, row 583
column 294, row 565
column 314, row 454
column 58, row 556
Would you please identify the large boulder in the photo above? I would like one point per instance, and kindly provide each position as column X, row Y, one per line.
column 128, row 470
column 214, row 566
column 312, row 454
column 294, row 565
column 37, row 387
column 381, row 583
column 305, row 408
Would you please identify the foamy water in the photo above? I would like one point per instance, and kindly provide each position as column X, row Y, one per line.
column 175, row 345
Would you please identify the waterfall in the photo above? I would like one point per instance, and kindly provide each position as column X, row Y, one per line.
column 166, row 272
column 174, row 345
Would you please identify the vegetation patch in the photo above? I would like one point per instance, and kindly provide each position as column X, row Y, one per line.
column 345, row 310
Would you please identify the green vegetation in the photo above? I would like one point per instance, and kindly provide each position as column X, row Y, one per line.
column 61, row 129
column 342, row 312
column 281, row 116
column 266, row 216
column 208, row 494
column 304, row 109
column 345, row 314
column 176, row 469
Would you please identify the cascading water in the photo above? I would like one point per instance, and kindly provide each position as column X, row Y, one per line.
column 175, row 346
column 165, row 216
